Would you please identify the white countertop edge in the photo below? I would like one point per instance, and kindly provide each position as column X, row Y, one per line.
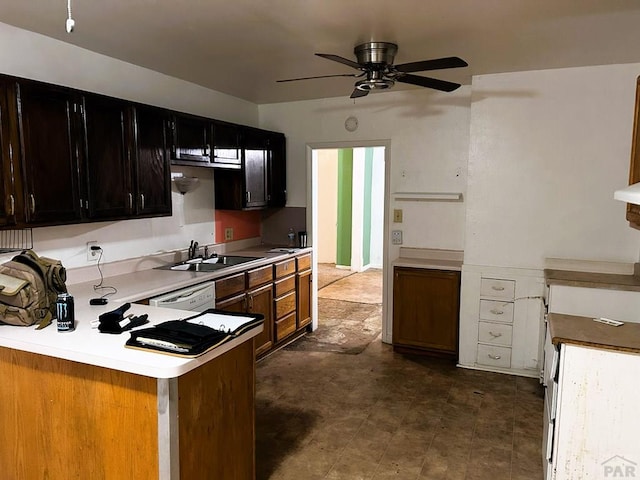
column 143, row 363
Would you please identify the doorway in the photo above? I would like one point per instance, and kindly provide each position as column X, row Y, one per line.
column 359, row 240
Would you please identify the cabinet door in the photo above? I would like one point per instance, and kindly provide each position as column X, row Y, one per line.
column 226, row 144
column 260, row 300
column 255, row 178
column 633, row 211
column 152, row 166
column 8, row 148
column 191, row 139
column 108, row 164
column 425, row 309
column 277, row 171
column 237, row 304
column 303, row 284
column 48, row 124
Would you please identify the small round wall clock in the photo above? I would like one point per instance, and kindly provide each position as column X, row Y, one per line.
column 351, row 124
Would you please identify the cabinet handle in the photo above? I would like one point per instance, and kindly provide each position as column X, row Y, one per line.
column 244, row 303
column 130, row 201
column 496, row 312
column 32, row 200
column 12, row 205
column 495, row 335
column 142, row 201
column 250, row 303
column 496, row 288
column 494, row 357
column 205, row 150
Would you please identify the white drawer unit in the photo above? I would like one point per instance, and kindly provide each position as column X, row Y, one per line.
column 496, row 311
column 501, row 319
column 497, row 288
column 495, row 333
column 494, row 356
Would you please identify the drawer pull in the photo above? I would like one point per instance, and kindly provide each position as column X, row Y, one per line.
column 497, row 288
column 494, row 357
column 33, row 203
column 495, row 335
column 496, row 312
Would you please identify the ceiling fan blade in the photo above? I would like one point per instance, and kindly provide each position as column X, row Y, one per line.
column 435, row 64
column 434, row 83
column 357, row 93
column 336, row 58
column 320, row 76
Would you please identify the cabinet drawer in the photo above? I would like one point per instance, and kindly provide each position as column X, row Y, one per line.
column 259, row 276
column 496, row 288
column 494, row 356
column 285, row 305
column 285, row 326
column 496, row 311
column 228, row 286
column 495, row 333
column 282, row 269
column 303, row 262
column 286, row 285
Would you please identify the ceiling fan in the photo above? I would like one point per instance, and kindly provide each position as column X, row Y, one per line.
column 375, row 62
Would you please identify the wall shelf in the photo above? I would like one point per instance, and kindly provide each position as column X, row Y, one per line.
column 428, row 196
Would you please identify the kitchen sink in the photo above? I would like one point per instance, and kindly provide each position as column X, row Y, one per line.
column 212, row 264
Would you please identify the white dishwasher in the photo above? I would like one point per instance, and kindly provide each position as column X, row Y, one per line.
column 197, row 298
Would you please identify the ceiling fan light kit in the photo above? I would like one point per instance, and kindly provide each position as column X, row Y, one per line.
column 375, row 61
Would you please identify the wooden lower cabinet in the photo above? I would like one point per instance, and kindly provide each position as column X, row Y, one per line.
column 303, row 285
column 280, row 291
column 66, row 419
column 426, row 306
column 260, row 301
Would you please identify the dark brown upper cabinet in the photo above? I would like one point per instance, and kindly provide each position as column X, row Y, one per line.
column 108, row 157
column 152, row 167
column 10, row 200
column 50, row 123
column 127, row 168
column 277, row 170
column 190, row 140
column 227, row 152
column 261, row 181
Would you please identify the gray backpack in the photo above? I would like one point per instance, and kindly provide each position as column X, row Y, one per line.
column 29, row 286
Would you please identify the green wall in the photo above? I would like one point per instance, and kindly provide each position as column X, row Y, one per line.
column 345, row 198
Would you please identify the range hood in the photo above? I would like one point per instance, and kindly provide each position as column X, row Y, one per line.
column 630, row 194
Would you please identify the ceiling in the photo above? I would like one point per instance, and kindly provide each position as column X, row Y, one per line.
column 241, row 47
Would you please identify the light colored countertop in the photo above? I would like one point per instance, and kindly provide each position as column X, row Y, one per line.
column 584, row 331
column 432, row 259
column 609, row 281
column 89, row 346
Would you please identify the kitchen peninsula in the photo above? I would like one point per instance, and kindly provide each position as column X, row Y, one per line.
column 81, row 405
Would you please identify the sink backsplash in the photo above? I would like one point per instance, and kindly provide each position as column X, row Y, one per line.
column 276, row 224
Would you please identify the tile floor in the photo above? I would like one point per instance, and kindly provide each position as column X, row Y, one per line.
column 381, row 415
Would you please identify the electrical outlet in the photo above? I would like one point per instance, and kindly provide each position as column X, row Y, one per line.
column 92, row 255
column 396, row 237
column 397, row 215
column 228, row 233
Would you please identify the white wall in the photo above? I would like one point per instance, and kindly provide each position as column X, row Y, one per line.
column 377, row 208
column 547, row 150
column 29, row 55
column 327, row 205
column 429, row 134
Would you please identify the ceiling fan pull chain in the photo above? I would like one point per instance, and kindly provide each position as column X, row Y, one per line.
column 70, row 23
